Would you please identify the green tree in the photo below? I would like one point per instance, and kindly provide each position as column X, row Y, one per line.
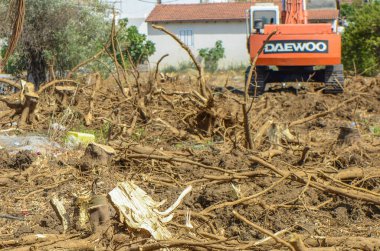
column 361, row 40
column 59, row 32
column 134, row 43
column 212, row 56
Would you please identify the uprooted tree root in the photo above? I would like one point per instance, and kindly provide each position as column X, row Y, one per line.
column 306, row 184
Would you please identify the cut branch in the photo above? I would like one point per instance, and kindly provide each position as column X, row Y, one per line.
column 187, row 49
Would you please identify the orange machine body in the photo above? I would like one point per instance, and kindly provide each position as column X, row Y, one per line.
column 297, row 45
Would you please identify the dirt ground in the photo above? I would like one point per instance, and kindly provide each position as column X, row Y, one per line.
column 311, row 177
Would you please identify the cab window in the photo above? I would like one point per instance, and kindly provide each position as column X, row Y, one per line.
column 267, row 16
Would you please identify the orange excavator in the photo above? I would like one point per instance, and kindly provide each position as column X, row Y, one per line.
column 299, row 51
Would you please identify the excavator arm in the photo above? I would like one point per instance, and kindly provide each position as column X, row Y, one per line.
column 295, row 12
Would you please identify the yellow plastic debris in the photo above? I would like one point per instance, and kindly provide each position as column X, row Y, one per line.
column 75, row 139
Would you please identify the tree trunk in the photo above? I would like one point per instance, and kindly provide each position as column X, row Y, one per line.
column 37, row 68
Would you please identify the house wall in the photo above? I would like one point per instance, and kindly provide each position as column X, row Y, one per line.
column 139, row 23
column 205, row 34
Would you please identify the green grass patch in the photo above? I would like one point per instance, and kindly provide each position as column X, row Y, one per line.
column 375, row 130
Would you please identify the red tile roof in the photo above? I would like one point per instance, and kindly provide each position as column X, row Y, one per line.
column 198, row 12
column 216, row 12
column 323, row 14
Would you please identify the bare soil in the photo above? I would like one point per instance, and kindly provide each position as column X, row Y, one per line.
column 205, row 146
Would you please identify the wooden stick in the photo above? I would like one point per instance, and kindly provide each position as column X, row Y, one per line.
column 179, row 243
column 175, row 159
column 239, row 201
column 262, row 230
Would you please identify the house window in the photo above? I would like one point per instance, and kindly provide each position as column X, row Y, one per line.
column 187, row 37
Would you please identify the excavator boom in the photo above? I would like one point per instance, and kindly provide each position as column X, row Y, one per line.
column 295, row 12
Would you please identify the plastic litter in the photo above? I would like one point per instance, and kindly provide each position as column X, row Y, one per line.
column 57, row 127
column 34, row 143
column 77, row 139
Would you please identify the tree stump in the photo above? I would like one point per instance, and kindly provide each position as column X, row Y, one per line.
column 348, row 136
column 98, row 154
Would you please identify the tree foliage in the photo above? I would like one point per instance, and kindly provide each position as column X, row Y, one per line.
column 361, row 39
column 212, row 56
column 61, row 33
column 134, row 43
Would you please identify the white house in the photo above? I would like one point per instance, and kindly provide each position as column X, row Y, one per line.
column 138, row 10
column 200, row 26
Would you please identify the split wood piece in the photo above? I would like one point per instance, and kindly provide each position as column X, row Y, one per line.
column 263, row 231
column 60, row 210
column 65, row 92
column 176, row 159
column 261, row 133
column 315, row 116
column 357, row 173
column 29, row 99
column 99, row 154
column 269, row 154
column 178, row 132
column 346, row 192
column 27, row 102
column 297, row 243
column 277, row 133
column 202, row 83
column 89, row 117
column 139, row 211
column 133, row 125
column 82, row 200
column 98, row 211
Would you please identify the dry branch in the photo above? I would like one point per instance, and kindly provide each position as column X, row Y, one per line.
column 244, row 199
column 315, row 116
column 16, row 32
column 246, row 94
column 350, row 193
column 96, row 56
column 263, row 231
column 180, row 243
column 187, row 49
column 176, row 159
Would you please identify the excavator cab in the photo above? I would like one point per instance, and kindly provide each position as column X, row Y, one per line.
column 300, row 51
